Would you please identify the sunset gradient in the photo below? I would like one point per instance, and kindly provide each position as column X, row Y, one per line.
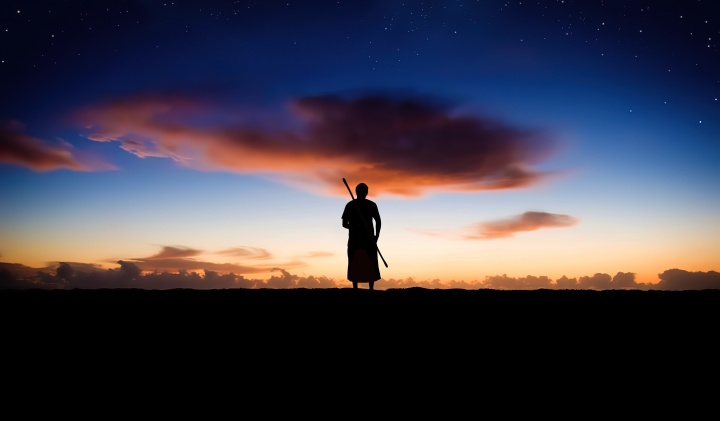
column 508, row 145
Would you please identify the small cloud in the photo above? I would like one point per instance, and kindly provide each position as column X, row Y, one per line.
column 246, row 252
column 172, row 252
column 314, row 254
column 18, row 148
column 528, row 221
column 75, row 266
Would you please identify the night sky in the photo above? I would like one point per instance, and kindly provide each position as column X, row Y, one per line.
column 524, row 144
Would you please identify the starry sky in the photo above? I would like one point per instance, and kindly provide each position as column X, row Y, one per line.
column 508, row 144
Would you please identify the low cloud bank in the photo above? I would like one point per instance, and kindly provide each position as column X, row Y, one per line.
column 68, row 275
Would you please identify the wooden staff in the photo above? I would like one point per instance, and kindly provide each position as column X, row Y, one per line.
column 364, row 222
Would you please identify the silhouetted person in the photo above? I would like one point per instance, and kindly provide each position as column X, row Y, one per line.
column 362, row 254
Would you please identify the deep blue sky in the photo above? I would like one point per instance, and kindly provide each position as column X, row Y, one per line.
column 610, row 110
column 80, row 49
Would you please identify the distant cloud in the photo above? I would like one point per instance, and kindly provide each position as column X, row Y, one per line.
column 398, row 144
column 527, row 221
column 76, row 266
column 175, row 258
column 507, row 282
column 171, row 252
column 68, row 275
column 677, row 279
column 247, row 252
column 314, row 254
column 18, row 148
column 597, row 281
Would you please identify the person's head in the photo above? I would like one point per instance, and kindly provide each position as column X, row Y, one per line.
column 361, row 190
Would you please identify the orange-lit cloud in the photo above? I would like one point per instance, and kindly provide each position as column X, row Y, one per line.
column 314, row 254
column 527, row 221
column 18, row 148
column 176, row 258
column 174, row 252
column 129, row 275
column 403, row 145
column 247, row 252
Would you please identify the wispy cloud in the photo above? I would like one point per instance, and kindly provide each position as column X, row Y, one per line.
column 314, row 254
column 404, row 145
column 247, row 252
column 175, row 258
column 527, row 221
column 18, row 148
column 503, row 228
column 174, row 252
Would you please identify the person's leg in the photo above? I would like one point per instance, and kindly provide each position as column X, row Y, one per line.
column 373, row 252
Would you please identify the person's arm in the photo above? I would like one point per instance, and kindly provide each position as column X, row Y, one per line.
column 345, row 218
column 378, row 224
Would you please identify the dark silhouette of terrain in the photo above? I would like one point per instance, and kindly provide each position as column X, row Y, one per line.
column 456, row 314
column 575, row 343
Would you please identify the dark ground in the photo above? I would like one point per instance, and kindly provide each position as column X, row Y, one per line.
column 415, row 349
column 451, row 315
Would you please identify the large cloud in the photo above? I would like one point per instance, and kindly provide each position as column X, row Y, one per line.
column 398, row 144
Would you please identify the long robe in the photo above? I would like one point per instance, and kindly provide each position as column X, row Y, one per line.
column 362, row 252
